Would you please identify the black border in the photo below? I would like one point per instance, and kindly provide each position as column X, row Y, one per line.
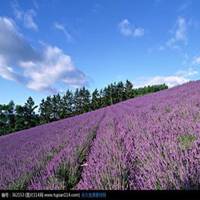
column 100, row 194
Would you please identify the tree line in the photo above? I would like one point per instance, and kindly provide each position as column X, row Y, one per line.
column 17, row 117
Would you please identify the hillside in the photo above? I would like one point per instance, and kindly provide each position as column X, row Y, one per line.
column 149, row 142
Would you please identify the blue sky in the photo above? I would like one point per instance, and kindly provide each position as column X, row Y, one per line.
column 48, row 46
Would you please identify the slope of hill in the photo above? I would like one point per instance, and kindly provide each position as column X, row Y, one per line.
column 149, row 142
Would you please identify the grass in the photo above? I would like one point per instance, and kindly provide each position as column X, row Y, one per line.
column 186, row 140
column 70, row 173
column 21, row 183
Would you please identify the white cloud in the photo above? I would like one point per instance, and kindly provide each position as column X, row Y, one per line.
column 27, row 17
column 29, row 21
column 127, row 29
column 139, row 32
column 178, row 78
column 9, row 23
column 171, row 81
column 55, row 66
column 196, row 60
column 8, row 73
column 5, row 71
column 38, row 70
column 72, row 79
column 13, row 46
column 17, row 12
column 187, row 73
column 62, row 28
column 179, row 34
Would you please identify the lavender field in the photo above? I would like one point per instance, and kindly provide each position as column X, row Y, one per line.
column 149, row 142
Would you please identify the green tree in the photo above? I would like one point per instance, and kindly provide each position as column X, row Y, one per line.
column 3, row 119
column 81, row 100
column 107, row 95
column 30, row 117
column 102, row 100
column 19, row 118
column 120, row 92
column 56, row 107
column 85, row 100
column 77, row 101
column 67, row 105
column 95, row 102
column 45, row 110
column 14, row 118
column 129, row 91
column 11, row 116
column 7, row 118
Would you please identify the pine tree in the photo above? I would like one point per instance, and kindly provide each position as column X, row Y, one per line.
column 120, row 91
column 85, row 100
column 102, row 101
column 58, row 106
column 14, row 118
column 77, row 101
column 30, row 117
column 129, row 92
column 20, row 118
column 3, row 120
column 42, row 111
column 48, row 109
column 82, row 100
column 95, row 102
column 11, row 116
column 107, row 96
column 67, row 105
